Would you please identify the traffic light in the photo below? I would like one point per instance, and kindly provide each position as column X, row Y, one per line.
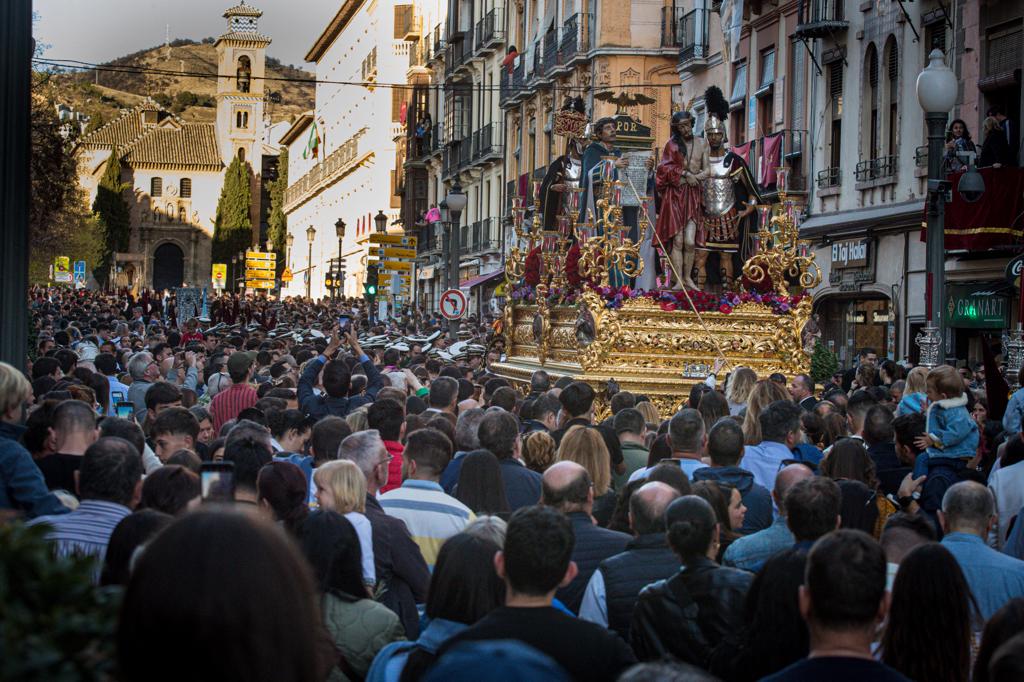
column 370, row 286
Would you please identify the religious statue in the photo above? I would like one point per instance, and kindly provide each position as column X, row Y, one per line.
column 563, row 175
column 730, row 195
column 678, row 181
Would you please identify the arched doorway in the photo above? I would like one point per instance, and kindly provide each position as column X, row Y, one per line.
column 168, row 266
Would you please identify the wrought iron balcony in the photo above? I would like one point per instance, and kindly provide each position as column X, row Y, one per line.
column 692, row 37
column 437, row 43
column 487, row 143
column 551, row 60
column 830, row 177
column 876, row 169
column 574, row 43
column 820, row 19
column 490, row 32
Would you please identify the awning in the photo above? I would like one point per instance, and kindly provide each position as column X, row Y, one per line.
column 480, row 279
column 426, row 272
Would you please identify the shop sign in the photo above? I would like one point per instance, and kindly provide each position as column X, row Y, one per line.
column 1014, row 269
column 850, row 253
column 977, row 306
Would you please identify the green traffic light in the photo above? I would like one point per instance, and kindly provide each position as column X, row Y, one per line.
column 371, row 289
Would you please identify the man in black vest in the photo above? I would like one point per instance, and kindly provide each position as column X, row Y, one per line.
column 568, row 488
column 613, row 589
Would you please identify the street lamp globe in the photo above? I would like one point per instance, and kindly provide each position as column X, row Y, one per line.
column 339, row 228
column 936, row 84
column 456, row 199
column 445, row 215
column 381, row 221
column 289, row 240
column 270, row 245
column 310, row 234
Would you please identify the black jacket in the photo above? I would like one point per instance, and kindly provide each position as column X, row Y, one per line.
column 401, row 569
column 689, row 614
column 593, row 545
column 647, row 559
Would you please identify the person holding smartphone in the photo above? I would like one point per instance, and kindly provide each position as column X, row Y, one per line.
column 336, row 380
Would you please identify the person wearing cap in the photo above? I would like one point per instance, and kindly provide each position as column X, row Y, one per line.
column 228, row 403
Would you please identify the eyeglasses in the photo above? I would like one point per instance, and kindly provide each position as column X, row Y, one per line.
column 386, row 460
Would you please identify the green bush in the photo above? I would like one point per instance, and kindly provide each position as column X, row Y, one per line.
column 823, row 363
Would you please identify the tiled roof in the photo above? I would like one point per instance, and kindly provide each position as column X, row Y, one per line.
column 193, row 144
column 243, row 10
column 245, row 35
column 122, row 131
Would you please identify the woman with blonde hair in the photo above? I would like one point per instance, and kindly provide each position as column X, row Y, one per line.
column 538, row 450
column 650, row 412
column 585, row 446
column 914, row 394
column 738, row 387
column 341, row 488
column 358, row 420
column 764, row 393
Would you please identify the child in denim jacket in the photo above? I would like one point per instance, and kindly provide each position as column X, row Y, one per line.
column 951, row 435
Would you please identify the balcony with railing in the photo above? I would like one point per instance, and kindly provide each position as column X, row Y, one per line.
column 574, row 42
column 337, row 164
column 536, row 59
column 820, row 19
column 692, row 39
column 418, row 57
column 458, row 53
column 551, row 60
column 781, row 149
column 487, row 143
column 490, row 33
column 513, row 85
column 830, row 177
column 437, row 43
column 880, row 169
column 408, row 23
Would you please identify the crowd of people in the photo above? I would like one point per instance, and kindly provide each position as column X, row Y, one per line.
column 297, row 501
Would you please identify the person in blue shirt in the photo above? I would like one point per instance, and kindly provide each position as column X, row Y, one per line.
column 780, row 432
column 1015, row 409
column 336, row 380
column 951, row 436
column 967, row 515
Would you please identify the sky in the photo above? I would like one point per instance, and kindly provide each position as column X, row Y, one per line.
column 97, row 31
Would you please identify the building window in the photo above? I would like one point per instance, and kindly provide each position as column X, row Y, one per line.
column 185, row 188
column 242, row 119
column 869, row 106
column 765, row 96
column 835, row 95
column 892, row 72
column 243, row 74
column 182, row 215
column 737, row 101
column 156, row 187
column 797, row 76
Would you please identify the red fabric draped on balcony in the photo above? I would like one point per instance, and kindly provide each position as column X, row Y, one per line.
column 743, row 151
column 997, row 219
column 771, row 159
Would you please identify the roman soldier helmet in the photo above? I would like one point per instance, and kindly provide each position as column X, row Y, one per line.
column 718, row 110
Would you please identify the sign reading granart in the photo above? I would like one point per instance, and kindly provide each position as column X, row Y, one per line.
column 977, row 306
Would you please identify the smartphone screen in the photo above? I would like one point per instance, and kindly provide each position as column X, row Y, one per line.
column 217, row 482
column 344, row 322
column 117, row 396
column 124, row 410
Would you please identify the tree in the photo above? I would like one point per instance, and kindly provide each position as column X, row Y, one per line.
column 112, row 211
column 823, row 363
column 277, row 224
column 53, row 171
column 232, row 228
column 95, row 123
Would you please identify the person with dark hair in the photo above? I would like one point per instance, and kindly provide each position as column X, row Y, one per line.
column 463, row 589
column 73, row 431
column 802, row 390
column 248, row 448
column 327, row 435
column 359, row 626
column 843, row 599
column 669, row 474
column 388, row 417
column 780, row 432
column 228, row 403
column 727, row 503
column 535, row 561
column 499, row 433
column 774, row 634
column 431, row 515
column 932, row 618
column 621, row 401
column 968, row 515
column 171, row 489
column 109, row 486
column 725, row 448
column 863, row 506
column 46, row 367
column 568, row 488
column 173, row 429
column 631, row 429
column 544, row 414
column 1004, row 624
column 206, row 432
column 615, row 585
column 687, row 615
column 902, row 533
column 161, row 396
column 130, row 534
column 812, row 509
column 480, row 485
column 336, row 379
column 131, row 432
column 688, row 441
column 443, row 396
column 577, row 400
column 231, row 582
column 282, row 488
column 505, row 398
column 540, row 383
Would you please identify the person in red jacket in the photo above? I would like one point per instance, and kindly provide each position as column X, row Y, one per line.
column 388, row 417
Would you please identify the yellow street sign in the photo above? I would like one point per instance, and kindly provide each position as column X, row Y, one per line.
column 253, row 264
column 261, row 255
column 259, row 284
column 286, row 276
column 396, row 239
column 381, row 281
column 400, row 265
column 254, row 273
column 394, row 252
column 220, row 275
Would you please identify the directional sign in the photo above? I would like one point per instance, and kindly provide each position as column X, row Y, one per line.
column 255, row 273
column 398, row 265
column 260, row 255
column 395, row 239
column 393, row 252
column 453, row 304
column 62, row 269
column 259, row 284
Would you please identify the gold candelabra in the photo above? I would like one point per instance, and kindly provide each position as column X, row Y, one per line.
column 603, row 242
column 779, row 253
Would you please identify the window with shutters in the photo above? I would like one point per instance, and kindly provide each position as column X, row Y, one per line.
column 403, row 20
column 737, row 104
column 935, row 37
column 767, row 68
column 892, row 72
column 797, row 83
column 185, row 188
column 869, row 105
column 835, row 95
column 1004, row 50
column 156, row 187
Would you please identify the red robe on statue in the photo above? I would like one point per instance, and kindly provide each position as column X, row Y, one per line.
column 680, row 203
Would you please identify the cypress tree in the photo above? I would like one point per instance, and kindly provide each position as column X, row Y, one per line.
column 112, row 212
column 232, row 230
column 823, row 363
column 277, row 228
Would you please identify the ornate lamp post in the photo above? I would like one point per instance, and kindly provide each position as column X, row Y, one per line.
column 310, row 237
column 339, row 281
column 381, row 221
column 234, row 272
column 936, row 91
column 456, row 201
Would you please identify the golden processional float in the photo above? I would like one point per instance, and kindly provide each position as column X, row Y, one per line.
column 658, row 343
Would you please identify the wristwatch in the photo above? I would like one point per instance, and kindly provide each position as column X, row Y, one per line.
column 906, row 500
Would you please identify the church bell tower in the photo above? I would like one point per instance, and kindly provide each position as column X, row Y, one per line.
column 241, row 65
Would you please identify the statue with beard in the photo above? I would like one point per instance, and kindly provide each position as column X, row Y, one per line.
column 678, row 182
column 729, row 196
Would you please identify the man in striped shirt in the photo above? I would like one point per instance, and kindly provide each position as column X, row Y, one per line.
column 227, row 404
column 109, row 485
column 431, row 515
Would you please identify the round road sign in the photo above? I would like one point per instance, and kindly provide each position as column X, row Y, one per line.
column 453, row 304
